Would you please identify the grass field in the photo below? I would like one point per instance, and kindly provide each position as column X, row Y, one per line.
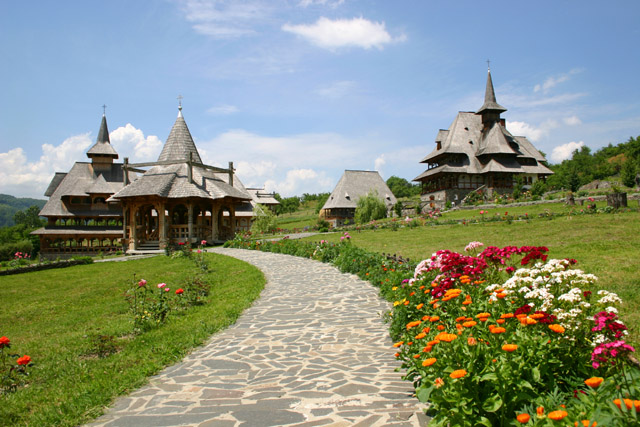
column 52, row 316
column 607, row 245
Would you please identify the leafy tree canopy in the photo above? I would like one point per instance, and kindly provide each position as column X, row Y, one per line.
column 400, row 187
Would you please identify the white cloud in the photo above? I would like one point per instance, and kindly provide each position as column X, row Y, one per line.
column 22, row 178
column 572, row 121
column 379, row 163
column 130, row 142
column 552, row 82
column 223, row 110
column 563, row 152
column 336, row 90
column 225, row 19
column 334, row 34
column 533, row 133
column 299, row 181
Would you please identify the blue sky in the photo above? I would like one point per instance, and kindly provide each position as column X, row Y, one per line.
column 295, row 92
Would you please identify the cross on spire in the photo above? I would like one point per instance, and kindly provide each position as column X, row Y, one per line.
column 488, row 65
column 104, row 109
column 179, row 102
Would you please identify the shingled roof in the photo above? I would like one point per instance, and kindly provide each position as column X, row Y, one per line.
column 172, row 180
column 102, row 147
column 179, row 143
column 356, row 183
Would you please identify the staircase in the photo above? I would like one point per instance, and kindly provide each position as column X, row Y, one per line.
column 148, row 247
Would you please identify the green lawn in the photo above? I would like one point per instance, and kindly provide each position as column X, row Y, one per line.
column 52, row 316
column 607, row 245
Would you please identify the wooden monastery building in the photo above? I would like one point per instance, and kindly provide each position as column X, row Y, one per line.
column 340, row 207
column 106, row 206
column 478, row 153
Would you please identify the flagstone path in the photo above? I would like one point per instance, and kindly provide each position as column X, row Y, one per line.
column 311, row 351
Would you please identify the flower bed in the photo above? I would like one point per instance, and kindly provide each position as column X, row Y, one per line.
column 499, row 337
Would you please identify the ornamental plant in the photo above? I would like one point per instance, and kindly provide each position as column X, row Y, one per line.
column 482, row 335
column 149, row 305
column 13, row 368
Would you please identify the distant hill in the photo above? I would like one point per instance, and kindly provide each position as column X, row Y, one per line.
column 9, row 205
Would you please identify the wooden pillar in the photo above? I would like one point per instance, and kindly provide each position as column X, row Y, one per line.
column 215, row 230
column 162, row 226
column 190, row 220
column 133, row 235
column 232, row 219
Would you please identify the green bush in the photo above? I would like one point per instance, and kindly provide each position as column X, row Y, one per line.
column 370, row 208
column 8, row 250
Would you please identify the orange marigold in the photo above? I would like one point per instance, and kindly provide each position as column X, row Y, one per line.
column 430, row 361
column 398, row 344
column 557, row 415
column 427, row 349
column 459, row 373
column 500, row 321
column 498, row 330
column 585, row 423
column 446, row 337
column 627, row 402
column 557, row 328
column 421, row 335
column 472, row 341
column 540, row 412
column 434, row 318
column 481, row 315
column 507, row 316
column 439, row 382
column 470, row 324
column 594, row 382
column 416, row 356
column 510, row 347
column 501, row 295
column 426, row 330
column 441, row 327
column 419, row 306
column 467, row 302
column 523, row 418
column 460, row 319
column 413, row 324
column 530, row 321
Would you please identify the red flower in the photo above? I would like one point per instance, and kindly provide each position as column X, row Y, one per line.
column 179, row 291
column 4, row 342
column 24, row 360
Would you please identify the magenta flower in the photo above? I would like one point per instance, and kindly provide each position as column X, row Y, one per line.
column 142, row 283
column 204, row 242
column 607, row 352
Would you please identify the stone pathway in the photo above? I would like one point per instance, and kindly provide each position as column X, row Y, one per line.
column 311, row 351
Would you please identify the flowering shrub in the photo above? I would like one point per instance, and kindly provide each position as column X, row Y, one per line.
column 13, row 367
column 19, row 259
column 481, row 337
column 149, row 305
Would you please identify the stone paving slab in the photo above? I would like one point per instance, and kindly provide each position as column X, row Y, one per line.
column 311, row 351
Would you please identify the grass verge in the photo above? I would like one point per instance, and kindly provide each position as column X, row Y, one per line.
column 53, row 315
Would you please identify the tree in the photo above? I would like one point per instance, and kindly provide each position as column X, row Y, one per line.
column 369, row 208
column 400, row 187
column 322, row 199
column 538, row 188
column 263, row 220
column 628, row 173
column 29, row 217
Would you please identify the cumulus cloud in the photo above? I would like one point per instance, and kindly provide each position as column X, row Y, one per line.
column 533, row 133
column 225, row 19
column 299, row 181
column 563, row 152
column 379, row 163
column 339, row 33
column 553, row 81
column 23, row 178
column 223, row 110
column 130, row 142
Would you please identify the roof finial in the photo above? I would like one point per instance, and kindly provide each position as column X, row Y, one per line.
column 104, row 110
column 488, row 65
column 179, row 102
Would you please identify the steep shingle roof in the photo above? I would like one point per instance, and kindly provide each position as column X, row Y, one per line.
column 354, row 184
column 490, row 103
column 179, row 143
column 102, row 147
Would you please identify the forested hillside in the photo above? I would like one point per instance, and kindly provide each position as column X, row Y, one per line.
column 621, row 161
column 9, row 205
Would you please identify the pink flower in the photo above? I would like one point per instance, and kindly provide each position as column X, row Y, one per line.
column 199, row 251
column 142, row 283
column 203, row 242
column 167, row 289
column 161, row 285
